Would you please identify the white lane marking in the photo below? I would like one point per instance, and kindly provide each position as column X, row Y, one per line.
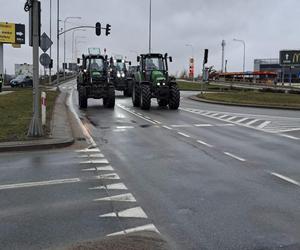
column 124, row 127
column 181, row 126
column 116, row 186
column 136, row 212
column 231, row 118
column 39, row 183
column 149, row 227
column 183, row 134
column 134, row 113
column 112, row 176
column 288, row 130
column 108, row 168
column 167, row 127
column 286, row 178
column 203, row 125
column 234, row 156
column 251, row 122
column 223, row 116
column 225, row 125
column 158, row 122
column 122, row 197
column 119, row 130
column 88, row 150
column 264, row 124
column 91, row 156
column 83, row 127
column 101, row 161
column 242, row 120
column 289, row 136
column 205, row 144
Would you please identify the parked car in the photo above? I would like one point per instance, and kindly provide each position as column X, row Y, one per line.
column 21, row 81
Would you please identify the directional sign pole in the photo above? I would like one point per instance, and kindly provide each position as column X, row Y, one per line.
column 35, row 128
column 1, row 59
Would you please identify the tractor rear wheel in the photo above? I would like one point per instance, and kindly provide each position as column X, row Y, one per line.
column 109, row 101
column 136, row 96
column 174, row 98
column 146, row 97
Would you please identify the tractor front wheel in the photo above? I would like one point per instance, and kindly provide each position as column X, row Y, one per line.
column 174, row 98
column 136, row 96
column 146, row 97
column 109, row 101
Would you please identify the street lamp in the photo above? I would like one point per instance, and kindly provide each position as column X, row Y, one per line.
column 66, row 19
column 244, row 44
column 73, row 35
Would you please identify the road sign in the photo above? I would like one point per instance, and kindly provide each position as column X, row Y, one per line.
column 45, row 60
column 289, row 57
column 46, row 42
column 12, row 33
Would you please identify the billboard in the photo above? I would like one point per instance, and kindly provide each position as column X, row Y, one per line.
column 289, row 57
column 24, row 69
column 12, row 33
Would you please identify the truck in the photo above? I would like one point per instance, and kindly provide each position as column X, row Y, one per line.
column 93, row 81
column 152, row 80
column 120, row 75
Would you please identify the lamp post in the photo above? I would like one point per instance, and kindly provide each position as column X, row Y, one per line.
column 66, row 19
column 244, row 44
column 73, row 38
column 150, row 26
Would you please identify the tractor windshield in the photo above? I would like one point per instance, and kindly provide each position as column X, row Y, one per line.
column 96, row 64
column 120, row 66
column 154, row 64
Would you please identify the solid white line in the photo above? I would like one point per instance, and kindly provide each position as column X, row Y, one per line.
column 289, row 136
column 181, row 126
column 242, row 120
column 225, row 125
column 264, row 124
column 122, row 197
column 112, row 176
column 131, row 112
column 101, row 161
column 251, row 122
column 167, row 127
column 116, row 186
column 234, row 156
column 203, row 125
column 149, row 227
column 205, row 144
column 286, row 178
column 39, row 183
column 135, row 212
column 183, row 134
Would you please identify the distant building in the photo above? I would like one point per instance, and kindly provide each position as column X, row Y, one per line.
column 283, row 73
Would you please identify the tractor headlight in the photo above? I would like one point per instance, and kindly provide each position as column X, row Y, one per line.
column 118, row 74
column 158, row 84
column 163, row 83
column 123, row 74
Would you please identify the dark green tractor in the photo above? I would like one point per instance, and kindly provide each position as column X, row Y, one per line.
column 93, row 81
column 152, row 80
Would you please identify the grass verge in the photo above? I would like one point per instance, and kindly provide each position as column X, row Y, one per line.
column 197, row 86
column 255, row 98
column 16, row 112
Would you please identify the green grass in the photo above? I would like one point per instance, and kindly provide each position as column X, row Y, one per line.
column 254, row 97
column 16, row 112
column 197, row 86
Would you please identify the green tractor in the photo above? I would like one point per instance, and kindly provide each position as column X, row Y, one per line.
column 152, row 80
column 93, row 81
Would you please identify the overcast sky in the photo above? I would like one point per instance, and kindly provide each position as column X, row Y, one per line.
column 266, row 26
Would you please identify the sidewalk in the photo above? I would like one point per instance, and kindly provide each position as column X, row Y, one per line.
column 61, row 133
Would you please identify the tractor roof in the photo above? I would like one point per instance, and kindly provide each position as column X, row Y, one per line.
column 152, row 55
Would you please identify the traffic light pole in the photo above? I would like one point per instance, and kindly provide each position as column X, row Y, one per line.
column 35, row 128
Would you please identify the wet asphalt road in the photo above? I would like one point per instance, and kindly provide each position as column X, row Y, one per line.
column 205, row 176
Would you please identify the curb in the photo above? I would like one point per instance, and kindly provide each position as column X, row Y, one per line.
column 195, row 98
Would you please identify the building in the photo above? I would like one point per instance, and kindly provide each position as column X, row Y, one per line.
column 286, row 74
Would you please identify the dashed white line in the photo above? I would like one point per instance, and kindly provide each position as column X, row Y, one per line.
column 183, row 134
column 115, row 186
column 205, row 144
column 134, row 113
column 39, row 183
column 122, row 198
column 167, row 127
column 181, row 126
column 234, row 156
column 251, row 122
column 264, row 124
column 203, row 125
column 125, row 127
column 101, row 161
column 285, row 178
column 289, row 136
column 242, row 120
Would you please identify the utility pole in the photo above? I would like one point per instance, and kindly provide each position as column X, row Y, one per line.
column 1, row 59
column 150, row 26
column 223, row 54
column 57, row 59
column 50, row 78
column 35, row 128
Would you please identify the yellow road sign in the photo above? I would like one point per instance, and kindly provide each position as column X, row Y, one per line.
column 7, row 33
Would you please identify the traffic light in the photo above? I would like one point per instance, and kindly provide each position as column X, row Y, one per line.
column 108, row 28
column 205, row 56
column 98, row 29
column 51, row 64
